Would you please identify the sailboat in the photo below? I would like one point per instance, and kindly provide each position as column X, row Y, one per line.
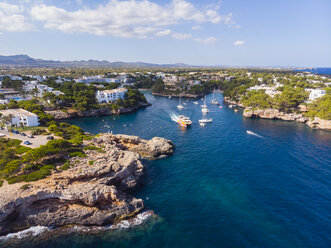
column 180, row 106
column 204, row 103
column 204, row 108
column 214, row 100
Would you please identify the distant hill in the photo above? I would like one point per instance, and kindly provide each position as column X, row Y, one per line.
column 26, row 61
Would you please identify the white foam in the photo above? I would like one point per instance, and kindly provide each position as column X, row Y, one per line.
column 254, row 134
column 32, row 231
column 138, row 220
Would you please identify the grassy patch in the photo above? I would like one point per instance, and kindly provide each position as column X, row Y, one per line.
column 94, row 148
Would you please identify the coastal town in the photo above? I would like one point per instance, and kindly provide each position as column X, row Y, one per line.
column 39, row 147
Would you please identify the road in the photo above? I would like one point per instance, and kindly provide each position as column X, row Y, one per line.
column 36, row 141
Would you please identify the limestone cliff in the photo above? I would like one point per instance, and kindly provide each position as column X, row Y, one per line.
column 72, row 113
column 92, row 192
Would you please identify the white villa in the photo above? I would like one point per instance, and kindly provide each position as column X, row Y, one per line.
column 110, row 95
column 315, row 93
column 269, row 90
column 19, row 116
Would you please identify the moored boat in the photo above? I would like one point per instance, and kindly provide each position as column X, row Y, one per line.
column 205, row 120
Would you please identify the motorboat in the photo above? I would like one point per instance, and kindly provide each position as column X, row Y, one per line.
column 184, row 121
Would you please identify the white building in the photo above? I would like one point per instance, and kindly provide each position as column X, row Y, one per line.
column 315, row 93
column 110, row 95
column 19, row 116
column 269, row 90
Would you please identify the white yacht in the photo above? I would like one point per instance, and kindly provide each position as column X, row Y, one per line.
column 204, row 120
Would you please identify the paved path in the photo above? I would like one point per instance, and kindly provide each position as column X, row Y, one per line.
column 36, row 141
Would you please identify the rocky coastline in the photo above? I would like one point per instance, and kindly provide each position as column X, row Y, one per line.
column 177, row 96
column 270, row 113
column 93, row 192
column 72, row 113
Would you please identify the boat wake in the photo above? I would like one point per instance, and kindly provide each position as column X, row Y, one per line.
column 254, row 134
column 174, row 117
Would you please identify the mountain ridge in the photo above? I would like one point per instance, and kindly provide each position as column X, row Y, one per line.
column 23, row 60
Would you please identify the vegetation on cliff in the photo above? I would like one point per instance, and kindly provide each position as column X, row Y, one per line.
column 321, row 107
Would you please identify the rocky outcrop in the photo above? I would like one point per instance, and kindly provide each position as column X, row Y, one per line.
column 273, row 114
column 183, row 95
column 72, row 113
column 92, row 192
column 315, row 123
column 229, row 101
column 318, row 123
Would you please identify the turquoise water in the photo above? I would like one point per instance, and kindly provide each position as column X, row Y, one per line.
column 223, row 187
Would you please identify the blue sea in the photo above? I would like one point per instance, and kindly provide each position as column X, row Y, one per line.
column 223, row 187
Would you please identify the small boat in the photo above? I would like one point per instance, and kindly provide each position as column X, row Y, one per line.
column 169, row 97
column 202, row 124
column 184, row 103
column 220, row 107
column 205, row 110
column 230, row 106
column 236, row 110
column 196, row 103
column 184, row 121
column 249, row 132
column 180, row 106
column 204, row 103
column 205, row 120
column 214, row 100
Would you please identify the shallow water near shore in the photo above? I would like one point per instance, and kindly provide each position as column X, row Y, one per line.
column 223, row 187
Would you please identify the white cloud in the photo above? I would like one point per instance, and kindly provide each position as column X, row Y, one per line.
column 164, row 32
column 209, row 40
column 239, row 42
column 12, row 18
column 128, row 18
column 180, row 36
column 196, row 27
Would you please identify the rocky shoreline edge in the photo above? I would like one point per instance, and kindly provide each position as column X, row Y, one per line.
column 72, row 113
column 93, row 196
column 275, row 114
column 177, row 96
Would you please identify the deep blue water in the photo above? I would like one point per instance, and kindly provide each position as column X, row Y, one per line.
column 318, row 70
column 223, row 187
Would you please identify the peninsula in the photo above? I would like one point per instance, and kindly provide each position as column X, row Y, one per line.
column 91, row 189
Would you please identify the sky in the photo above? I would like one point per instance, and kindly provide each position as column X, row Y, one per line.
column 205, row 32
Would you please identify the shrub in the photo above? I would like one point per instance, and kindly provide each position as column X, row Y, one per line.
column 16, row 179
column 94, row 148
column 22, row 149
column 77, row 154
column 1, row 183
column 37, row 175
column 25, row 186
column 66, row 166
column 91, row 162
